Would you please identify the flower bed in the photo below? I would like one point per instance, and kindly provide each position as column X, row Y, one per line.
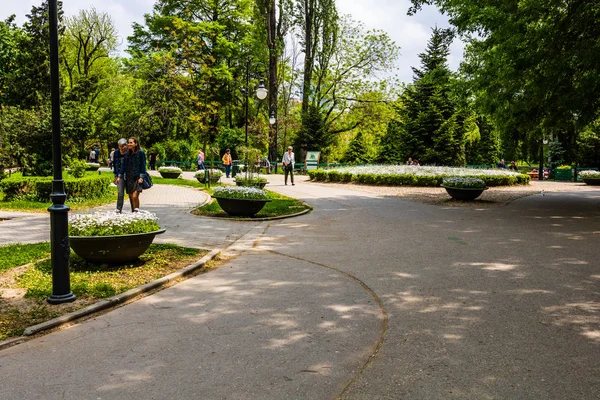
column 403, row 175
column 589, row 174
column 464, row 183
column 215, row 175
column 240, row 192
column 170, row 172
column 110, row 237
column 112, row 223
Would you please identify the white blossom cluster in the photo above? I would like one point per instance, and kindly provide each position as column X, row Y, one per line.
column 170, row 169
column 466, row 183
column 213, row 172
column 112, row 223
column 589, row 174
column 240, row 192
column 423, row 171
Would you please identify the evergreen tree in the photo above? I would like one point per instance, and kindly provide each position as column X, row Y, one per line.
column 314, row 134
column 431, row 128
column 357, row 151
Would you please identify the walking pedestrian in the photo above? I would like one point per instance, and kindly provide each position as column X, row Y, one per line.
column 111, row 157
column 117, row 158
column 152, row 156
column 288, row 164
column 227, row 162
column 200, row 160
column 92, row 156
column 133, row 170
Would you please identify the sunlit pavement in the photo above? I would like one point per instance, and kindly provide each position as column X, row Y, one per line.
column 366, row 297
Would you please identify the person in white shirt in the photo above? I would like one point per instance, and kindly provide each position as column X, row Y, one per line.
column 288, row 164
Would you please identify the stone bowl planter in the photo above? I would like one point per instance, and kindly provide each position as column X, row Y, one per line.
column 241, row 207
column 112, row 249
column 260, row 185
column 213, row 179
column 592, row 181
column 464, row 193
column 170, row 175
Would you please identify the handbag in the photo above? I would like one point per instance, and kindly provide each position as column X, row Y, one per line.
column 146, row 182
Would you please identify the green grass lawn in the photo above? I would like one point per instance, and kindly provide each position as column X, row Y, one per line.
column 89, row 282
column 279, row 206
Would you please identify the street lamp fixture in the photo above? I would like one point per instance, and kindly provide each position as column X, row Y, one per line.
column 261, row 93
column 60, row 250
column 272, row 118
column 261, row 90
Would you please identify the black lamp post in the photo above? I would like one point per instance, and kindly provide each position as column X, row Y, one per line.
column 541, row 170
column 261, row 93
column 59, row 212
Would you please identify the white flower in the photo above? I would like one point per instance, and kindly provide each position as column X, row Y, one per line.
column 170, row 169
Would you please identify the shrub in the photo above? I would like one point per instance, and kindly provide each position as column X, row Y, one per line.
column 464, row 183
column 240, row 192
column 564, row 167
column 78, row 168
column 400, row 175
column 589, row 174
column 39, row 188
column 112, row 223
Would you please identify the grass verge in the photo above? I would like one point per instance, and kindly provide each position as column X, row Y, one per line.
column 279, row 206
column 23, row 289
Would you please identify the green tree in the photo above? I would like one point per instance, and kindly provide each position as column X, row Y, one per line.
column 532, row 65
column 430, row 127
column 357, row 151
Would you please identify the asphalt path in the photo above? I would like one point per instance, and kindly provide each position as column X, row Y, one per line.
column 367, row 297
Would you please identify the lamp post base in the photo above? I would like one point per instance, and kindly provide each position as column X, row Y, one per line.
column 62, row 298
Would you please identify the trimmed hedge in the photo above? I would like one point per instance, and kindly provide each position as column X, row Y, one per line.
column 39, row 188
column 321, row 175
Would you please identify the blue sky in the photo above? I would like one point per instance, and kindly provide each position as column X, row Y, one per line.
column 411, row 33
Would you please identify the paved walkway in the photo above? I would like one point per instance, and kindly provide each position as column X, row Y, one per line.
column 367, row 297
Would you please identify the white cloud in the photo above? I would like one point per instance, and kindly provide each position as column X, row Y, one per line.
column 410, row 33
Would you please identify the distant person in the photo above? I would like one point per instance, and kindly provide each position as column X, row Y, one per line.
column 117, row 157
column 111, row 157
column 97, row 154
column 133, row 170
column 410, row 161
column 92, row 156
column 152, row 156
column 502, row 164
column 513, row 166
column 266, row 164
column 227, row 162
column 416, row 163
column 257, row 163
column 288, row 164
column 200, row 160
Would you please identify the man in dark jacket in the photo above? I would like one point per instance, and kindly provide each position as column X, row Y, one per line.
column 118, row 155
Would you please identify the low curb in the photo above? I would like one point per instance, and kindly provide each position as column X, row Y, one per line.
column 111, row 301
column 257, row 219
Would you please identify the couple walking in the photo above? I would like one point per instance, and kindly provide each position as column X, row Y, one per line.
column 129, row 168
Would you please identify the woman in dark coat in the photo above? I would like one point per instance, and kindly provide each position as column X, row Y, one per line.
column 133, row 168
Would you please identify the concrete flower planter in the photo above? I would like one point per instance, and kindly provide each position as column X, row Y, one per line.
column 464, row 193
column 241, row 207
column 112, row 249
column 260, row 185
column 170, row 175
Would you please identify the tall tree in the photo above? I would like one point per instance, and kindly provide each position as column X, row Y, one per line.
column 532, row 64
column 430, row 127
